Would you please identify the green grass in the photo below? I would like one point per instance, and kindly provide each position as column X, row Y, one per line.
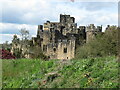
column 83, row 73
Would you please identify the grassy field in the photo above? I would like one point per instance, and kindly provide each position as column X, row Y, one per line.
column 84, row 73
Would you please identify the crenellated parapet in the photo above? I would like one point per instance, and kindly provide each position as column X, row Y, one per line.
column 92, row 28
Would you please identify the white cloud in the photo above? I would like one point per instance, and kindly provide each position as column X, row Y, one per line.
column 11, row 28
column 38, row 11
column 110, row 19
column 28, row 14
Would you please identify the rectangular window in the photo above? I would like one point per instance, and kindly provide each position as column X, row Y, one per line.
column 44, row 48
column 65, row 50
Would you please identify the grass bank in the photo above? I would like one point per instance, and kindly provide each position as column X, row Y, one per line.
column 83, row 73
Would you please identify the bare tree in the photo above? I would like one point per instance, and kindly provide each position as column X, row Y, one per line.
column 25, row 40
column 24, row 34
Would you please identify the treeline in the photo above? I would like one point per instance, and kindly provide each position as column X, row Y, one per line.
column 104, row 44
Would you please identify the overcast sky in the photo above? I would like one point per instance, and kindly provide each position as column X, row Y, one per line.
column 17, row 14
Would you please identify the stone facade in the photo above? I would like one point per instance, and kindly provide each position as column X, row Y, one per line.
column 59, row 40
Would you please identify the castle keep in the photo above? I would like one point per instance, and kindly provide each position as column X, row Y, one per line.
column 59, row 40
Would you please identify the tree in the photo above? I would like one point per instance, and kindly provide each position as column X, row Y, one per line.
column 24, row 34
column 16, row 50
column 6, row 46
column 25, row 40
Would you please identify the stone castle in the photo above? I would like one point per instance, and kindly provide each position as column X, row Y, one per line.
column 59, row 40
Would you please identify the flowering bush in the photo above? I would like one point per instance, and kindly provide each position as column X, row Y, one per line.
column 4, row 54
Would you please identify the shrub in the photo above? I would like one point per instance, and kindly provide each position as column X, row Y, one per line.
column 4, row 54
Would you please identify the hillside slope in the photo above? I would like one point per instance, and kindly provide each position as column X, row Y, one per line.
column 84, row 73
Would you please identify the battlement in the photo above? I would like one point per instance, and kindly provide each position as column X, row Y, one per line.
column 82, row 27
column 92, row 28
column 92, row 31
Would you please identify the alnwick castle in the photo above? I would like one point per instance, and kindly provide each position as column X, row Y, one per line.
column 58, row 40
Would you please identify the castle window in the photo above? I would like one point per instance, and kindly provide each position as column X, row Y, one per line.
column 45, row 48
column 65, row 20
column 50, row 39
column 54, row 49
column 65, row 50
column 49, row 57
column 50, row 29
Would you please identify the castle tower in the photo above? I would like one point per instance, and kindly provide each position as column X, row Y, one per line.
column 68, row 24
column 91, row 31
column 66, row 19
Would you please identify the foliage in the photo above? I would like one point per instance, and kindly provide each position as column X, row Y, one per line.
column 104, row 44
column 6, row 46
column 25, row 48
column 36, row 52
column 17, row 53
column 82, row 73
column 4, row 54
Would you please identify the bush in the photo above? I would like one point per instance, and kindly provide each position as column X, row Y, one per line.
column 17, row 53
column 4, row 54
